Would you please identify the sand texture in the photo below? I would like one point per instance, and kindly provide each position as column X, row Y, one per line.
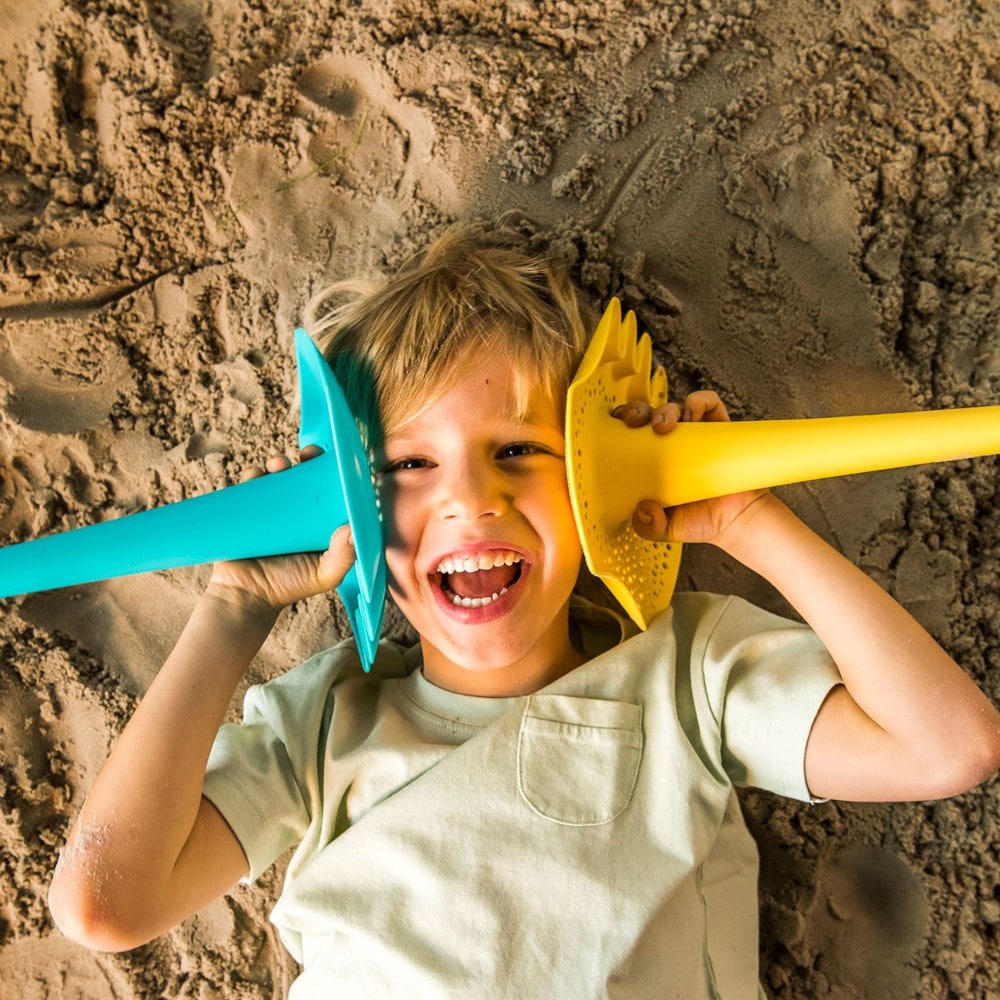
column 799, row 199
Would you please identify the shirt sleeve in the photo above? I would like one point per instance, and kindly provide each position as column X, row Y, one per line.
column 765, row 678
column 250, row 779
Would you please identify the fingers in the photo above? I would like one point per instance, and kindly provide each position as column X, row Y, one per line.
column 666, row 418
column 338, row 558
column 279, row 463
column 704, row 405
column 649, row 520
column 276, row 463
column 637, row 413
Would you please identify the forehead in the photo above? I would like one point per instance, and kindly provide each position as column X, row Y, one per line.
column 490, row 387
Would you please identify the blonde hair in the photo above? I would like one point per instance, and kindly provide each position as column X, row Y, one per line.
column 473, row 293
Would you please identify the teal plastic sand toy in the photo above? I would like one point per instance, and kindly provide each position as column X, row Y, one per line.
column 292, row 511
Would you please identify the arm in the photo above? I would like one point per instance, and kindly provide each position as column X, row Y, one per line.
column 147, row 850
column 908, row 723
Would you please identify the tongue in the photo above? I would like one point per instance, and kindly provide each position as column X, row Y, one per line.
column 483, row 582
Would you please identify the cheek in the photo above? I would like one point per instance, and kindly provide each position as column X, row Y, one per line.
column 400, row 582
column 572, row 547
column 561, row 527
column 400, row 537
column 562, row 512
column 394, row 515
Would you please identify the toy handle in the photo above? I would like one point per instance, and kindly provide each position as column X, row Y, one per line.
column 702, row 460
column 293, row 511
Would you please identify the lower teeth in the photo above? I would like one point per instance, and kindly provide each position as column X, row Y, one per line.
column 475, row 602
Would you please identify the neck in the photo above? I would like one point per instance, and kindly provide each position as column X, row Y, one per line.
column 509, row 681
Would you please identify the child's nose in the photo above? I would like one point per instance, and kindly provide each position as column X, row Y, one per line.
column 472, row 491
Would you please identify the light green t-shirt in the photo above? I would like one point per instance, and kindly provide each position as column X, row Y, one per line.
column 582, row 842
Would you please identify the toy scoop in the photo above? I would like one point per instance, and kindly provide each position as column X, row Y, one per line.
column 611, row 467
column 293, row 511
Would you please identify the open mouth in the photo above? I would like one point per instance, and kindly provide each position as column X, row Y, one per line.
column 476, row 581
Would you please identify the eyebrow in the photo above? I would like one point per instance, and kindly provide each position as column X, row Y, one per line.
column 513, row 428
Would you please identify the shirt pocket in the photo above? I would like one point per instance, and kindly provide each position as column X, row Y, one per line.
column 578, row 758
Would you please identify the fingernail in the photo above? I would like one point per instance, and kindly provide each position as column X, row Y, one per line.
column 643, row 516
column 659, row 418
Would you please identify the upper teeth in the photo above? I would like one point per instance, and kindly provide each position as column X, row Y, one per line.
column 470, row 564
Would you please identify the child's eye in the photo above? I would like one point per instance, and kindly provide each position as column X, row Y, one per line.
column 404, row 465
column 522, row 449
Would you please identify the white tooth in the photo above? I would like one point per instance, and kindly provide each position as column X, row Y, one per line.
column 469, row 564
column 475, row 602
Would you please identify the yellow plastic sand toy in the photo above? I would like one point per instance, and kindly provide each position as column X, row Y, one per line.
column 611, row 467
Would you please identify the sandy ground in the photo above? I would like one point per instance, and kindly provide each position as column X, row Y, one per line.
column 800, row 200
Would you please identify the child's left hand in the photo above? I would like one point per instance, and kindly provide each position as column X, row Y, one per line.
column 705, row 520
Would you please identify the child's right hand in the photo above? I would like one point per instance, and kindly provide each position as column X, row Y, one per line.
column 271, row 583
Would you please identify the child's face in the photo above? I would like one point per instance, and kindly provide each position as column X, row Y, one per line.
column 481, row 546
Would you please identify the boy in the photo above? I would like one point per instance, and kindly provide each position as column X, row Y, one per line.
column 533, row 801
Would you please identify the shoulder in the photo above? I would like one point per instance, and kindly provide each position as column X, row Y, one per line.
column 723, row 619
column 726, row 644
column 312, row 683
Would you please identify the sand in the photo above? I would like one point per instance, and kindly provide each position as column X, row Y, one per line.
column 800, row 201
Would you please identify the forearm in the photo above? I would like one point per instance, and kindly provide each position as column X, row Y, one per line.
column 128, row 841
column 923, row 705
column 907, row 722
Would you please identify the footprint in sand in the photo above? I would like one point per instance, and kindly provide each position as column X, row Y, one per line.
column 360, row 130
column 60, row 380
column 868, row 894
column 41, row 968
